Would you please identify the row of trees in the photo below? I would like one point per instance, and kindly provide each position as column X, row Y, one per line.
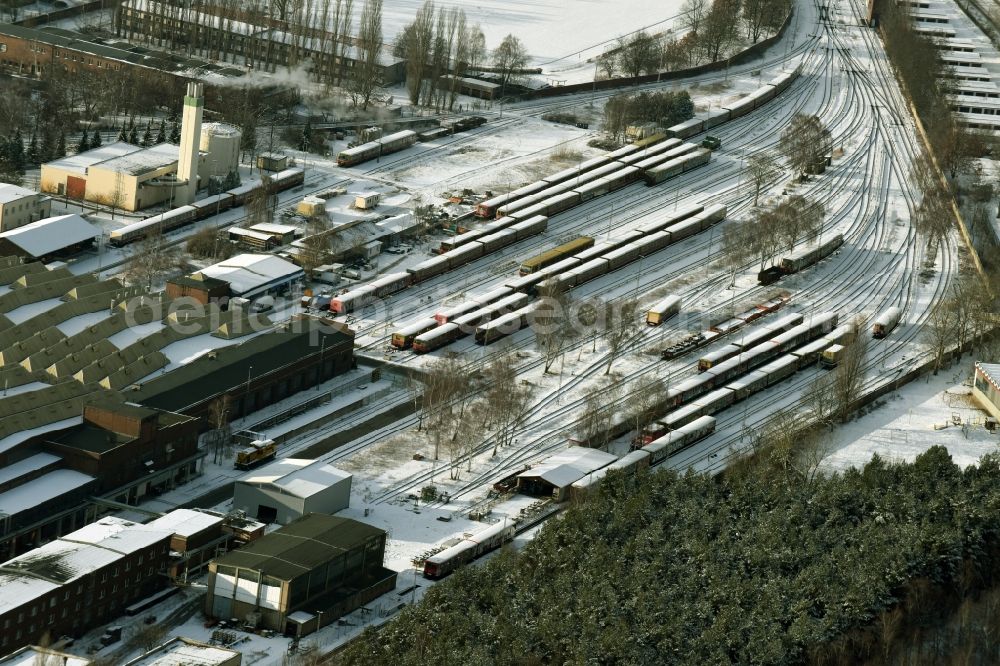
column 711, row 31
column 746, row 569
column 771, row 231
column 664, row 108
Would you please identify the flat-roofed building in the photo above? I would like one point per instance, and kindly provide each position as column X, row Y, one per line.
column 291, row 488
column 20, row 206
column 185, row 652
column 304, row 575
column 49, row 238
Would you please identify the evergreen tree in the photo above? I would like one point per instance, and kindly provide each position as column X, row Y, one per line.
column 96, row 142
column 84, row 144
column 45, row 152
column 175, row 133
column 123, row 135
column 147, row 135
column 161, row 135
column 232, row 180
column 133, row 135
column 17, row 151
column 33, row 149
column 61, row 145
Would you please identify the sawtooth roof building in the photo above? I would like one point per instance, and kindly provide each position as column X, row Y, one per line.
column 302, row 576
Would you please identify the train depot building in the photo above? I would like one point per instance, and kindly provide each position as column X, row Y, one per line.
column 288, row 489
column 305, row 575
column 556, row 474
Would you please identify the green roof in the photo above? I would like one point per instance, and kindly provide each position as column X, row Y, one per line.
column 301, row 546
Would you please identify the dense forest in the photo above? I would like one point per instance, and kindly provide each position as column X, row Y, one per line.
column 764, row 566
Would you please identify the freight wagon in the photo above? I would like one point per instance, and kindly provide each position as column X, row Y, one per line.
column 554, row 255
column 663, row 310
column 374, row 149
column 443, row 563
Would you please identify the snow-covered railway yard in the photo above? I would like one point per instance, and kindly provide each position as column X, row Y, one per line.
column 869, row 198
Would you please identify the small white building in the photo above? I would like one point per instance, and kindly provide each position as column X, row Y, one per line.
column 556, row 474
column 186, row 652
column 20, row 206
column 291, row 488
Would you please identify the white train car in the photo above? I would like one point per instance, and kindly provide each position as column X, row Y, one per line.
column 403, row 338
column 428, row 268
column 664, row 447
column 886, row 321
column 663, row 310
column 686, row 129
column 488, row 208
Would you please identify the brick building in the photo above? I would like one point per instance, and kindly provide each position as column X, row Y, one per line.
column 122, row 443
column 80, row 581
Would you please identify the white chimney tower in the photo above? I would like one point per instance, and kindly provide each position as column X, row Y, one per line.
column 187, row 163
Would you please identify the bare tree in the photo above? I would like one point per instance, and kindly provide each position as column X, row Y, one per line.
column 550, row 321
column 366, row 75
column 149, row 259
column 477, row 48
column 797, row 218
column 218, row 439
column 849, row 376
column 506, row 398
column 638, row 53
column 509, row 58
column 737, row 247
column 315, row 250
column 805, row 142
column 444, row 380
column 414, row 43
column 941, row 330
column 693, row 14
column 645, row 399
column 599, row 413
column 621, row 321
column 762, row 168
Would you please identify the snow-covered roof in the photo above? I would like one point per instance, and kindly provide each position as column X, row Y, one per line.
column 274, row 228
column 246, row 273
column 44, row 488
column 118, row 535
column 992, row 372
column 31, row 655
column 185, row 522
column 30, row 464
column 219, row 129
column 301, row 617
column 297, row 477
column 81, row 161
column 16, row 589
column 143, row 160
column 574, row 463
column 184, row 652
column 51, row 234
column 9, row 193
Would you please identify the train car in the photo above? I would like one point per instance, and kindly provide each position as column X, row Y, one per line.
column 806, row 257
column 722, row 373
column 740, row 108
column 500, row 223
column 650, row 140
column 885, row 322
column 504, row 325
column 647, row 153
column 831, row 356
column 656, row 160
column 762, row 95
column 686, row 129
column 588, row 271
column 498, row 241
column 588, row 484
column 437, row 337
column 556, row 254
column 631, row 463
column 664, row 447
column 403, row 338
column 259, row 452
column 653, row 243
column 354, row 299
column 593, row 189
column 448, row 560
column 428, row 269
column 560, row 267
column 512, row 207
column 455, row 311
column 463, row 255
column 627, row 149
column 489, row 207
column 663, row 310
column 531, row 226
column 716, row 357
column 459, row 240
column 287, row 179
column 664, row 171
column 493, row 295
column 391, row 283
column 841, row 335
column 525, row 283
column 621, row 256
column 162, row 223
column 781, row 368
column 242, row 193
column 211, row 205
column 433, row 134
column 716, row 118
column 695, row 159
column 715, row 400
column 598, row 249
column 746, row 385
column 674, row 218
column 622, row 177
column 783, row 81
column 691, row 388
column 713, row 215
column 373, row 149
column 550, row 206
column 809, row 353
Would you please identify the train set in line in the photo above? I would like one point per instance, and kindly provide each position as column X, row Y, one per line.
column 199, row 210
